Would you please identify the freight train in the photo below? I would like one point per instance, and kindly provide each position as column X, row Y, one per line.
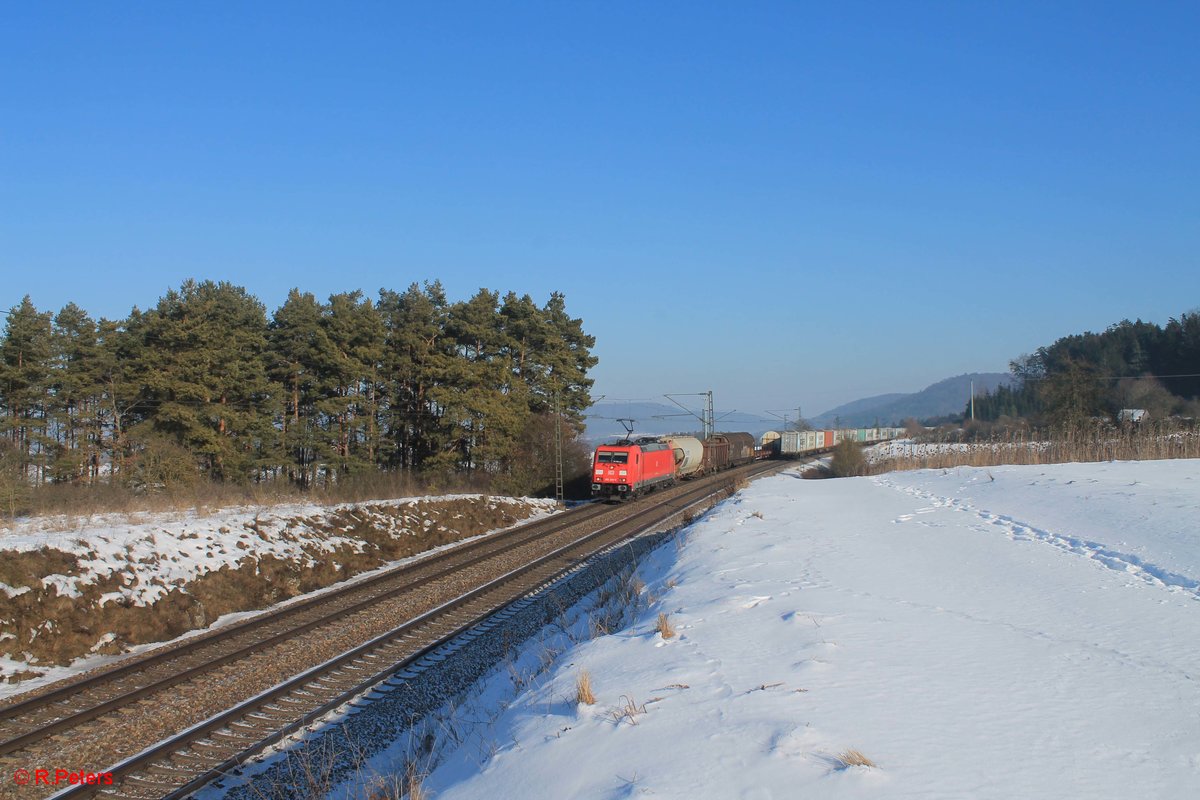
column 638, row 465
column 793, row 444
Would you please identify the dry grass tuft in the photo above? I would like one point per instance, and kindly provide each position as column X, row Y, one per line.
column 415, row 790
column 629, row 709
column 583, row 689
column 663, row 626
column 855, row 758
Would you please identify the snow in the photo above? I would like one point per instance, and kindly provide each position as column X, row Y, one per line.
column 148, row 555
column 996, row 632
column 162, row 551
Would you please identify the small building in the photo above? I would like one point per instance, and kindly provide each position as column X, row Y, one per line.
column 1133, row 415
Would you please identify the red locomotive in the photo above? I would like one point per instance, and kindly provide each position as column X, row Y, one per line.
column 629, row 468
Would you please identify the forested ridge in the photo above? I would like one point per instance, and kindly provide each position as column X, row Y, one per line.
column 206, row 386
column 1131, row 365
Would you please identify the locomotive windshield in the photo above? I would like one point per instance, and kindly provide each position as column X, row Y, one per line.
column 612, row 458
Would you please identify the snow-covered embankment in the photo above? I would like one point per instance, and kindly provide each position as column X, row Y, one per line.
column 1002, row 632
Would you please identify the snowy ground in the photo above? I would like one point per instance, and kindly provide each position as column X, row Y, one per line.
column 165, row 550
column 1006, row 632
column 141, row 558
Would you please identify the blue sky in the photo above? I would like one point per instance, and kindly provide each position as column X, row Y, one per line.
column 788, row 203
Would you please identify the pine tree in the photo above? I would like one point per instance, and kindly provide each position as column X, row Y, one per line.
column 124, row 403
column 205, row 370
column 297, row 345
column 77, row 395
column 26, row 364
column 474, row 397
column 418, row 357
column 568, row 360
column 350, row 377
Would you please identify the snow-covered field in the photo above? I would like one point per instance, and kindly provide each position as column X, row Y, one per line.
column 1009, row 632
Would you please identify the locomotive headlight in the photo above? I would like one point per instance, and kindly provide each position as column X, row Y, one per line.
column 623, row 472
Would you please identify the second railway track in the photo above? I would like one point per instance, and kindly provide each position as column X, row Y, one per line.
column 529, row 555
column 48, row 712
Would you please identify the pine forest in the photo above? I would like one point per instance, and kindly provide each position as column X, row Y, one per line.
column 1131, row 365
column 205, row 387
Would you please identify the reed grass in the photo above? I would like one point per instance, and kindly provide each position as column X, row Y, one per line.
column 76, row 501
column 1054, row 446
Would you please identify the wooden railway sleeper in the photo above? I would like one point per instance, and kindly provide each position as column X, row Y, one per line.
column 145, row 794
column 230, row 735
column 202, row 761
column 146, row 780
column 162, row 769
column 222, row 749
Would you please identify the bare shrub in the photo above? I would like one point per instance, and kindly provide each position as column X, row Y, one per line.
column 848, row 460
column 14, row 487
column 663, row 626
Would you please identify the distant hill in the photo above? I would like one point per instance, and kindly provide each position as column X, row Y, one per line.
column 941, row 399
column 660, row 418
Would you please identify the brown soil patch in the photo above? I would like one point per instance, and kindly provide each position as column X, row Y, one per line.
column 40, row 627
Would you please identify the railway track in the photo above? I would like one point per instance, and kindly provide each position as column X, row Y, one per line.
column 50, row 712
column 181, row 763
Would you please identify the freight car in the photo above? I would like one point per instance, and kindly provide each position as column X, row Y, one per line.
column 792, row 444
column 741, row 447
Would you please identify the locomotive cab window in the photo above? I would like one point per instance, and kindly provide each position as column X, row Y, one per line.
column 613, row 458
